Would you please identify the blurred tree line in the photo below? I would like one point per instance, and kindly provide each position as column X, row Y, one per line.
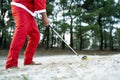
column 87, row 24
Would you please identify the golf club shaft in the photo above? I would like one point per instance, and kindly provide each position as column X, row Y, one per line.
column 64, row 40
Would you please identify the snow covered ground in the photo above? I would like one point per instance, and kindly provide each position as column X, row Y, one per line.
column 65, row 67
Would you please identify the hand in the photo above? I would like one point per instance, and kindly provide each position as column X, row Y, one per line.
column 45, row 19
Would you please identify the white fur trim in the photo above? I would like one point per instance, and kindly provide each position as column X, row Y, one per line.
column 40, row 11
column 25, row 8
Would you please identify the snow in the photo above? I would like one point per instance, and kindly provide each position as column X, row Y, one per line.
column 65, row 67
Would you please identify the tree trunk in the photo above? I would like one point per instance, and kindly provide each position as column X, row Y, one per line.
column 52, row 40
column 111, row 38
column 63, row 44
column 81, row 43
column 101, row 32
column 105, row 40
column 5, row 42
column 71, row 37
column 47, row 40
column 81, row 40
column 1, row 40
column 4, row 38
column 43, row 40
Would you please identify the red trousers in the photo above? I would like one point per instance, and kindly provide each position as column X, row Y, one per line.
column 26, row 27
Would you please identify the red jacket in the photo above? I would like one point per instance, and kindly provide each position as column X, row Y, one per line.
column 33, row 5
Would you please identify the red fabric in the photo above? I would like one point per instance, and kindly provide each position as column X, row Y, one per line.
column 33, row 5
column 25, row 26
column 39, row 5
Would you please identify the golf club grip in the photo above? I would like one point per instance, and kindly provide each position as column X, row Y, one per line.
column 50, row 27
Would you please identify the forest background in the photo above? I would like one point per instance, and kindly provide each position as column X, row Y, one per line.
column 84, row 24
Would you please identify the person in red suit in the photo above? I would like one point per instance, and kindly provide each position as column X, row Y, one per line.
column 24, row 12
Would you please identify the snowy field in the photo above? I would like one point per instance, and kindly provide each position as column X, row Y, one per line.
column 65, row 67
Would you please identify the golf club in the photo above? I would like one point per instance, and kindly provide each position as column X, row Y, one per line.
column 83, row 58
